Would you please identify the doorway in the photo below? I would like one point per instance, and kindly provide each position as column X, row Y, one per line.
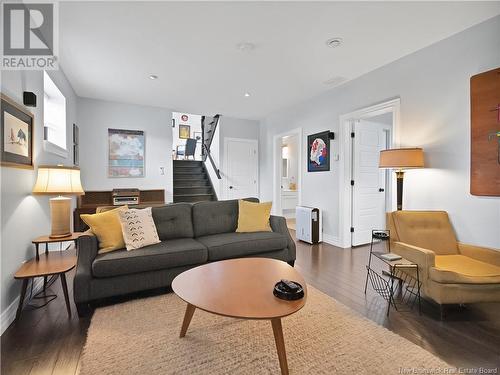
column 186, row 136
column 287, row 174
column 241, row 163
column 367, row 191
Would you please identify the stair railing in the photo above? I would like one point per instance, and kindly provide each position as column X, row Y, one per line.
column 208, row 132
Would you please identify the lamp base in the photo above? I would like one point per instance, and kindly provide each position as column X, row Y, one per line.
column 60, row 213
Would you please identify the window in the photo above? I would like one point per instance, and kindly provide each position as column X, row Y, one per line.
column 54, row 117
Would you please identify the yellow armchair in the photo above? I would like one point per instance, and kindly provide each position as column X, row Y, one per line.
column 451, row 272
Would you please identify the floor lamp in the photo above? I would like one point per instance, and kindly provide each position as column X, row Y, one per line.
column 59, row 180
column 400, row 159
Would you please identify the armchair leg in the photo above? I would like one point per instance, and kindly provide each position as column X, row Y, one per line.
column 83, row 309
column 292, row 263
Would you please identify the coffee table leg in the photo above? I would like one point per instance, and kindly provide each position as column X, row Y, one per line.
column 280, row 344
column 187, row 319
column 21, row 298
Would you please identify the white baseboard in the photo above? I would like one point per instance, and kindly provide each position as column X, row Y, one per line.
column 9, row 314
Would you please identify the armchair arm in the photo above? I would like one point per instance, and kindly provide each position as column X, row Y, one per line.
column 278, row 224
column 484, row 254
column 88, row 247
column 423, row 257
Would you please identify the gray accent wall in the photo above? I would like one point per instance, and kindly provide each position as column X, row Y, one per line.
column 23, row 215
column 96, row 116
column 433, row 85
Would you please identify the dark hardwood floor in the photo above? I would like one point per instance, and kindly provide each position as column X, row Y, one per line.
column 45, row 341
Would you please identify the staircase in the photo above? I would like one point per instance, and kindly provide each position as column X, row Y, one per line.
column 191, row 182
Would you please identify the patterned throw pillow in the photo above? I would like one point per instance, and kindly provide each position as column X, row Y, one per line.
column 138, row 228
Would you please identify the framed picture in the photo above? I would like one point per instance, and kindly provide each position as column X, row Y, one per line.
column 16, row 136
column 184, row 131
column 197, row 136
column 126, row 153
column 318, row 152
column 76, row 151
column 76, row 134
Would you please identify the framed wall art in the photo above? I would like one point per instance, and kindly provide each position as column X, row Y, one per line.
column 126, row 153
column 318, row 152
column 184, row 131
column 16, row 136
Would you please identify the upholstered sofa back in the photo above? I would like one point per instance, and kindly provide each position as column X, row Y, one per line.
column 173, row 221
column 427, row 229
column 216, row 217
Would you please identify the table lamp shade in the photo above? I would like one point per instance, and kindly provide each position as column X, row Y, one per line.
column 59, row 180
column 402, row 158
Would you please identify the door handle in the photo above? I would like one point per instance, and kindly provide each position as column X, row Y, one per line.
column 381, row 190
column 230, row 187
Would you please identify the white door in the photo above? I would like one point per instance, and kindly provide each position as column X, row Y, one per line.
column 241, row 166
column 369, row 189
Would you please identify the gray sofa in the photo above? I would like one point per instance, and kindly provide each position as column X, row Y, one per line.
column 191, row 233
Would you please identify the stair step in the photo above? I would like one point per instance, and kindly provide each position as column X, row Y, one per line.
column 191, row 183
column 188, row 169
column 192, row 190
column 193, row 197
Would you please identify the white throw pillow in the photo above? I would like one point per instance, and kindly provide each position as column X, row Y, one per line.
column 138, row 228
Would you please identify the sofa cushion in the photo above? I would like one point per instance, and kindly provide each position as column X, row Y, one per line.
column 460, row 269
column 216, row 217
column 235, row 245
column 166, row 254
column 173, row 221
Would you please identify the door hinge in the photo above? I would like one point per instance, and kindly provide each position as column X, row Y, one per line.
column 352, row 182
column 352, row 134
column 352, row 229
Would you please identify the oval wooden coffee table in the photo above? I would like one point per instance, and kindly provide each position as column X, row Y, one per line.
column 240, row 288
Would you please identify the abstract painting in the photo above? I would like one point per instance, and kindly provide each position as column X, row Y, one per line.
column 485, row 134
column 318, row 152
column 16, row 135
column 126, row 153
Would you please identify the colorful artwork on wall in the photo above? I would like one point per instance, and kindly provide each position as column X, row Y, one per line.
column 318, row 152
column 16, row 135
column 485, row 134
column 126, row 153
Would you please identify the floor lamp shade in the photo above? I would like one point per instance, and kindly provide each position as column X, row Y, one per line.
column 59, row 180
column 401, row 159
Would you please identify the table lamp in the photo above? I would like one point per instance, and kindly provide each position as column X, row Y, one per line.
column 59, row 180
column 401, row 159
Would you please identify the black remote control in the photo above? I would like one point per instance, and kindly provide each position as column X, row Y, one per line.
column 290, row 286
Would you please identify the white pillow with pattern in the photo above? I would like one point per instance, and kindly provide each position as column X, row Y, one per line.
column 138, row 228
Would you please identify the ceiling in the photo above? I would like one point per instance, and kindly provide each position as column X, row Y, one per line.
column 109, row 49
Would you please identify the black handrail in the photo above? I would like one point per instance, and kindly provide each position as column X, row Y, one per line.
column 207, row 143
column 217, row 171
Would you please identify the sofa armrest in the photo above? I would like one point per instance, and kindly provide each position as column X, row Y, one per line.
column 423, row 257
column 88, row 247
column 483, row 254
column 278, row 225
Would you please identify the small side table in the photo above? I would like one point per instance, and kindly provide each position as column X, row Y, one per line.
column 57, row 263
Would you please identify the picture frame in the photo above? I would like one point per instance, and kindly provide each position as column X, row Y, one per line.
column 16, row 134
column 184, row 131
column 76, row 150
column 126, row 153
column 318, row 152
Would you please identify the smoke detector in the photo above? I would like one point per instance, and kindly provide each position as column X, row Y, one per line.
column 245, row 46
column 334, row 42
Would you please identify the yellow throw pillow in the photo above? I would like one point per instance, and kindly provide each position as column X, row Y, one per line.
column 107, row 228
column 254, row 217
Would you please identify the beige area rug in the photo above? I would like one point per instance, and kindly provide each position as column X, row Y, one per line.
column 325, row 337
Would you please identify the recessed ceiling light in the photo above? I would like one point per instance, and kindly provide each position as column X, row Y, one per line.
column 245, row 46
column 153, row 76
column 247, row 94
column 334, row 42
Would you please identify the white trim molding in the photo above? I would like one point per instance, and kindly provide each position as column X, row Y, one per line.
column 345, row 125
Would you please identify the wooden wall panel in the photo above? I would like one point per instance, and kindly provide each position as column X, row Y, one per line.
column 485, row 133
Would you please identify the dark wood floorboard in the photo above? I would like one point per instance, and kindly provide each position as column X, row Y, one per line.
column 45, row 341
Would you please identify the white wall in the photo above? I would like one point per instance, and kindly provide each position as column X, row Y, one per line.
column 433, row 85
column 24, row 216
column 94, row 119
